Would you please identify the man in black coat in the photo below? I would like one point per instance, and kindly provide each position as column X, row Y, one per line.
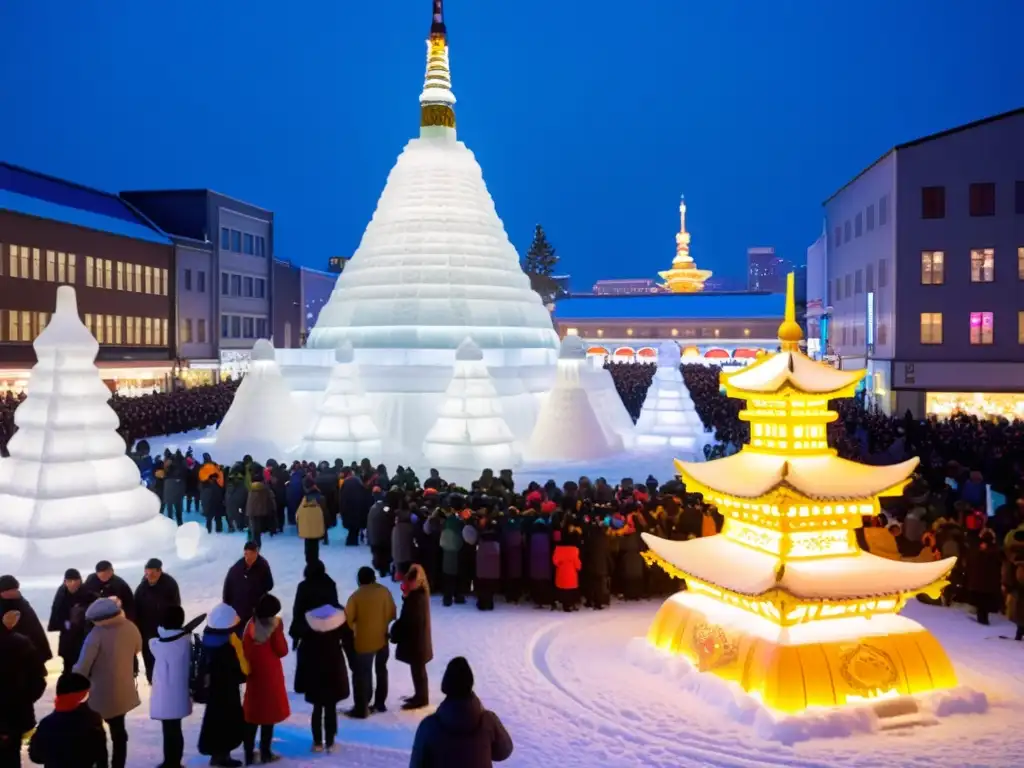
column 157, row 592
column 354, row 501
column 72, row 736
column 29, row 625
column 24, row 681
column 247, row 581
column 105, row 583
column 461, row 732
column 67, row 616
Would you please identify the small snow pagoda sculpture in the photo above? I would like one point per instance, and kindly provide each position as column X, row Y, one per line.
column 783, row 601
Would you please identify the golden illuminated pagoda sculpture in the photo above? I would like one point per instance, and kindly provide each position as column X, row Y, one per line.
column 783, row 601
column 684, row 277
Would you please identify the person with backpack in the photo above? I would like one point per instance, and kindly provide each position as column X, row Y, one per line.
column 311, row 518
column 221, row 668
column 321, row 673
column 170, row 699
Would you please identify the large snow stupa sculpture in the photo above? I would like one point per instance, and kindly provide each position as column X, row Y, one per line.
column 470, row 431
column 607, row 401
column 568, row 427
column 69, row 494
column 784, row 602
column 668, row 416
column 260, row 421
column 435, row 266
column 343, row 428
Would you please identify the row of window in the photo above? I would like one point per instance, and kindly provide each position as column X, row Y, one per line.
column 242, row 242
column 982, row 328
column 132, row 331
column 24, row 326
column 983, row 266
column 242, row 286
column 860, row 281
column 981, row 200
column 29, row 263
column 863, row 222
column 200, row 281
column 243, row 327
column 186, row 331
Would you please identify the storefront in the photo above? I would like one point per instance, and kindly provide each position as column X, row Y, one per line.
column 234, row 363
column 1008, row 405
column 124, row 378
column 942, row 389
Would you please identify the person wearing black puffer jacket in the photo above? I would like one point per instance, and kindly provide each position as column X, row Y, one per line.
column 23, row 674
column 71, row 736
column 315, row 589
column 461, row 732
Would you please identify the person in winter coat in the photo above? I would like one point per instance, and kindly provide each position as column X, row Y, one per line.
column 983, row 572
column 451, row 547
column 157, row 592
column 1013, row 583
column 29, row 625
column 223, row 668
column 67, row 616
column 247, row 581
column 401, row 543
column 174, row 487
column 461, row 733
column 294, row 491
column 266, row 699
column 105, row 583
column 71, row 736
column 211, row 495
column 236, row 496
column 311, row 520
column 260, row 508
column 379, row 523
column 369, row 611
column 170, row 699
column 412, row 635
column 321, row 674
column 354, row 501
column 428, row 544
column 595, row 566
column 23, row 676
column 566, row 560
column 540, row 565
column 631, row 562
column 512, row 545
column 315, row 589
column 109, row 659
column 488, row 566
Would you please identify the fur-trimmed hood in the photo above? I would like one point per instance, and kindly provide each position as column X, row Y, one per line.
column 326, row 618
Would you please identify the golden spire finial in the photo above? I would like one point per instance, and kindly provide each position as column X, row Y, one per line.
column 437, row 102
column 790, row 332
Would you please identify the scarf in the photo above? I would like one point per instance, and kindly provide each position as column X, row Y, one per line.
column 262, row 629
column 66, row 702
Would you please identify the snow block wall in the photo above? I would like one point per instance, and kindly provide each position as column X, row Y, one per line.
column 668, row 416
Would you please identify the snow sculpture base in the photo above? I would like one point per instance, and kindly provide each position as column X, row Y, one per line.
column 822, row 663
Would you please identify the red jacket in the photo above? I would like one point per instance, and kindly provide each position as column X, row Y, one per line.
column 266, row 699
column 567, row 567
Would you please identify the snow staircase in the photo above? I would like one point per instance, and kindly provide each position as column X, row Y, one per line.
column 904, row 712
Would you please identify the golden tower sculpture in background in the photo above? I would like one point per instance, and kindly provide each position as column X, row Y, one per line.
column 684, row 277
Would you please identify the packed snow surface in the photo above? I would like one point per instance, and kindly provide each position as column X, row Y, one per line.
column 580, row 690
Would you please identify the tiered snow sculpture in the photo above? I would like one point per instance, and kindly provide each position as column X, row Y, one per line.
column 343, row 429
column 470, row 431
column 668, row 416
column 433, row 267
column 568, row 427
column 260, row 421
column 607, row 402
column 69, row 494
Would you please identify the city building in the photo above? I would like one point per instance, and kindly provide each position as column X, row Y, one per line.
column 722, row 328
column 55, row 232
column 225, row 275
column 336, row 264
column 925, row 270
column 299, row 295
column 817, row 311
column 627, row 287
column 684, row 277
column 766, row 271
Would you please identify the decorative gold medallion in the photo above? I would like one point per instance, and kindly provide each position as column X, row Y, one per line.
column 868, row 670
column 712, row 646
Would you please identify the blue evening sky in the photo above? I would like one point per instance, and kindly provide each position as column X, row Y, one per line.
column 588, row 116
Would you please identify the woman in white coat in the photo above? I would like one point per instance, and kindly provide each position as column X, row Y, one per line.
column 170, row 700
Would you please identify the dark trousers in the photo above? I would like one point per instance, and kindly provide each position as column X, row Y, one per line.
column 420, row 685
column 174, row 510
column 485, row 589
column 352, row 537
column 266, row 740
column 324, row 725
column 381, row 560
column 312, row 547
column 256, row 528
column 366, row 665
column 542, row 591
column 118, row 742
column 10, row 750
column 1020, row 632
column 174, row 743
column 147, row 660
column 513, row 590
column 452, row 589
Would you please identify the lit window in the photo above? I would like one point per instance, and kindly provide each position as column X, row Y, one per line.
column 1020, row 327
column 156, row 281
column 675, row 331
column 100, row 326
column 1020, row 263
column 71, row 268
column 99, row 273
column 26, row 324
column 14, row 262
column 931, row 328
column 129, row 329
column 163, row 274
column 62, row 267
column 933, row 267
column 37, row 264
column 572, row 332
column 51, row 266
column 148, row 325
column 981, row 327
column 186, row 331
column 163, row 331
column 983, row 261
column 629, row 331
column 600, row 331
column 717, row 333
column 117, row 329
column 88, row 271
column 746, row 331
column 13, row 327
column 88, row 321
column 108, row 274
column 120, row 276
column 110, row 329
column 149, row 285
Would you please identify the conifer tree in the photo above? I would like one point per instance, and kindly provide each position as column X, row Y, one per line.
column 539, row 265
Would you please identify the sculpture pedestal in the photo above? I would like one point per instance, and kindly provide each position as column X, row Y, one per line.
column 822, row 663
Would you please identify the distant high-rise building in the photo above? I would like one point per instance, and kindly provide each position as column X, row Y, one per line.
column 766, row 271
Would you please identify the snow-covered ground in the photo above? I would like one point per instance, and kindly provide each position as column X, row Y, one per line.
column 572, row 692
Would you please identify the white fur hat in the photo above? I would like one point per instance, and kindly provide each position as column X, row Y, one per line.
column 222, row 616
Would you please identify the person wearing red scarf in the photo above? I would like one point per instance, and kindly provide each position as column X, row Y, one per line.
column 72, row 736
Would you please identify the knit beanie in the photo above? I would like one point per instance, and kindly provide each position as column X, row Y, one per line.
column 173, row 617
column 72, row 682
column 72, row 574
column 8, row 582
column 267, row 607
column 458, row 679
